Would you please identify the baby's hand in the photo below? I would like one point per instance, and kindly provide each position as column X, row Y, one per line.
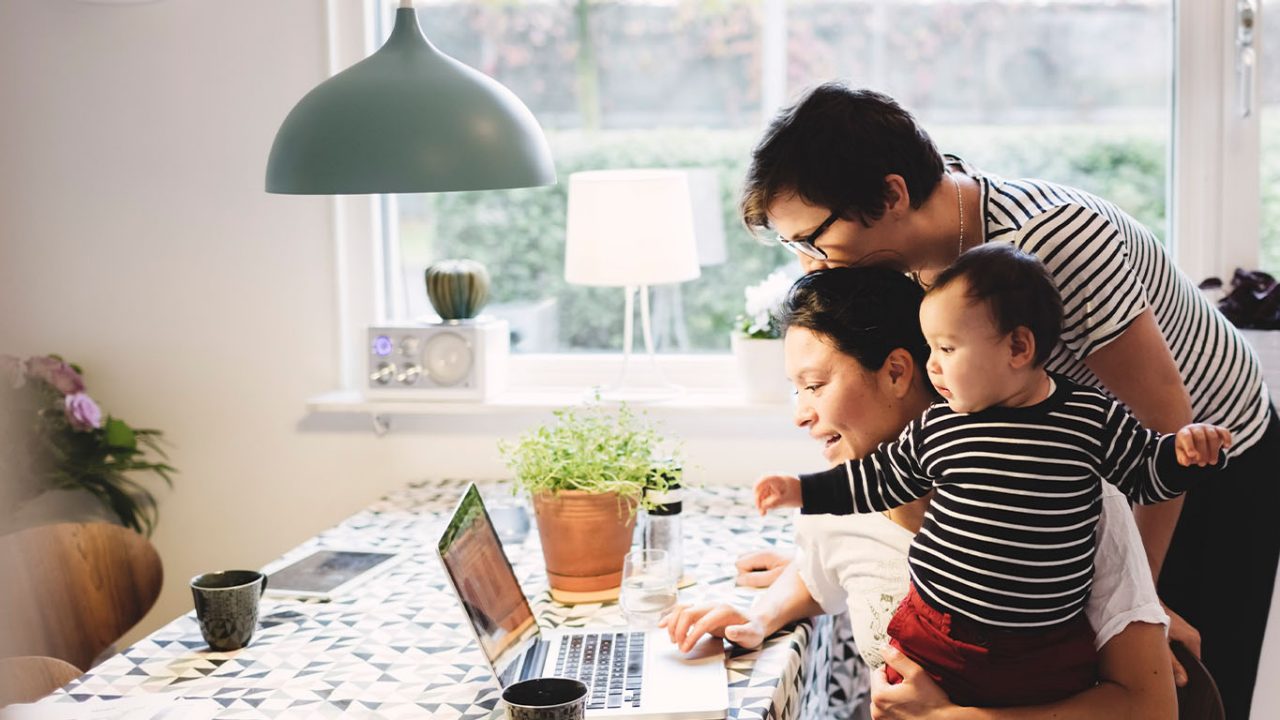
column 1199, row 443
column 777, row 491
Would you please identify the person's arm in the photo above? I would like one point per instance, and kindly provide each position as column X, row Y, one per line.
column 1154, row 392
column 786, row 600
column 886, row 478
column 760, row 568
column 1136, row 684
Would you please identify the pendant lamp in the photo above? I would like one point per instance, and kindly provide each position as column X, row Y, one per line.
column 408, row 119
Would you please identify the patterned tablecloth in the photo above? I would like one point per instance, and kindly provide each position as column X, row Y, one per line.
column 399, row 648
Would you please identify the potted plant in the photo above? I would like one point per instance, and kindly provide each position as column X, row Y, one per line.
column 586, row 474
column 756, row 340
column 57, row 439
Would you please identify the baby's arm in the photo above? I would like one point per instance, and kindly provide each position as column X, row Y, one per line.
column 777, row 491
column 1149, row 467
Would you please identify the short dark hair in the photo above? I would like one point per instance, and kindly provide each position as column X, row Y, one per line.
column 866, row 312
column 1015, row 287
column 833, row 149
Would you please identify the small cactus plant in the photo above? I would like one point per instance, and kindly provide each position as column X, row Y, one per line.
column 458, row 289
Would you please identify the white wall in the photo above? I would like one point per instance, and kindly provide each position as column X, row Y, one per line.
column 136, row 240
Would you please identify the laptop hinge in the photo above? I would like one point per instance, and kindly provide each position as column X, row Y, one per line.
column 534, row 660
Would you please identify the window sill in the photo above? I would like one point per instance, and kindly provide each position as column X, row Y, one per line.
column 539, row 400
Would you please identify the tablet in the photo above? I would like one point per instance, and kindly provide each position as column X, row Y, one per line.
column 327, row 572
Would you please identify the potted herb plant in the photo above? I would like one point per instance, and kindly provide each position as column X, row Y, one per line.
column 586, row 474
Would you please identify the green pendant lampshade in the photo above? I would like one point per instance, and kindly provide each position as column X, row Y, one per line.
column 408, row 119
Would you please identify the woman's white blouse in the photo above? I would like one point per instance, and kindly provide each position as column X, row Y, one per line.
column 859, row 563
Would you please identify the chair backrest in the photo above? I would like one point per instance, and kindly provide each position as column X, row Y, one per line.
column 1199, row 698
column 29, row 678
column 71, row 590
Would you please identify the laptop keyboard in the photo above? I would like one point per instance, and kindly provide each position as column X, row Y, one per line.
column 610, row 664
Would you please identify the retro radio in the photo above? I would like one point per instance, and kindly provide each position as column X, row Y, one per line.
column 451, row 360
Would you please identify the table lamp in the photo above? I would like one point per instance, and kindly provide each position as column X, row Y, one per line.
column 632, row 229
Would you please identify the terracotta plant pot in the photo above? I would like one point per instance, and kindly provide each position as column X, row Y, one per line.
column 585, row 537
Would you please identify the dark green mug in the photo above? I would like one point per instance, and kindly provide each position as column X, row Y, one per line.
column 227, row 606
column 548, row 698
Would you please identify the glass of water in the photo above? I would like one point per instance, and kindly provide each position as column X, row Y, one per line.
column 648, row 587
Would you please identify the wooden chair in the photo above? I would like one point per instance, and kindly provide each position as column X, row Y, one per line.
column 27, row 679
column 70, row 590
column 1199, row 698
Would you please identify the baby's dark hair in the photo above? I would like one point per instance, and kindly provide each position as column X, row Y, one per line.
column 865, row 311
column 1015, row 287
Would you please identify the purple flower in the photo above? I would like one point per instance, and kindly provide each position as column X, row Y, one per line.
column 15, row 369
column 55, row 372
column 82, row 412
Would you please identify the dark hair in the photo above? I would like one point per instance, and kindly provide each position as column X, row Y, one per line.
column 833, row 149
column 865, row 311
column 1016, row 288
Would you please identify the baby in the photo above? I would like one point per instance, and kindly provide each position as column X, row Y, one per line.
column 1002, row 567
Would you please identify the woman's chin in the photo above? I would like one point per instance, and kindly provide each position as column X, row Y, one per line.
column 836, row 453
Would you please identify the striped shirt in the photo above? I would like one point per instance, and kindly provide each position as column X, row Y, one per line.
column 1008, row 539
column 1109, row 268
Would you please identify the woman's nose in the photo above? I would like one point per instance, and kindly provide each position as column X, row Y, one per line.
column 804, row 414
column 811, row 264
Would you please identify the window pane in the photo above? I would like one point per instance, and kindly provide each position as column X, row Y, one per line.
column 1066, row 91
column 1269, row 97
column 1019, row 89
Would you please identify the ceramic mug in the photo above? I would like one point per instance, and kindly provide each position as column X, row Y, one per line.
column 227, row 606
column 549, row 698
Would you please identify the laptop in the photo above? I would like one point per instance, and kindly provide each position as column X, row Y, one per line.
column 630, row 674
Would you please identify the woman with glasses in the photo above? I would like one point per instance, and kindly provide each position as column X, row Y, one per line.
column 856, row 355
column 848, row 177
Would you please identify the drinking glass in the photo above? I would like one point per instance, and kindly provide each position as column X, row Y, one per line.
column 648, row 587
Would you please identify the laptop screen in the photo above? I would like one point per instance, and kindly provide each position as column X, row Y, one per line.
column 486, row 585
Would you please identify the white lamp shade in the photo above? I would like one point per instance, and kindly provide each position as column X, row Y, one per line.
column 630, row 227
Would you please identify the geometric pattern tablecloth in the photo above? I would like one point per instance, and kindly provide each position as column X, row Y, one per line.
column 398, row 648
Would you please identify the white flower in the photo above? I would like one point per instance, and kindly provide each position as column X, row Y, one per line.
column 763, row 301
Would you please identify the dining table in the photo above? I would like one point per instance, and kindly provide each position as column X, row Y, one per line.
column 399, row 645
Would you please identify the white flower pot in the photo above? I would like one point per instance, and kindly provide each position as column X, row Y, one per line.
column 762, row 372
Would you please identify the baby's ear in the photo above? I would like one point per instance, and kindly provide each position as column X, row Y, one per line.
column 1022, row 347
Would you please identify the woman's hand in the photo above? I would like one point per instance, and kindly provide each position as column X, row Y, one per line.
column 686, row 625
column 760, row 568
column 1181, row 631
column 917, row 696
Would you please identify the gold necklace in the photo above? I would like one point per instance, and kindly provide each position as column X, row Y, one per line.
column 960, row 206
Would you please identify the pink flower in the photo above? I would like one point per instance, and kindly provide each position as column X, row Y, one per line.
column 55, row 372
column 15, row 369
column 82, row 412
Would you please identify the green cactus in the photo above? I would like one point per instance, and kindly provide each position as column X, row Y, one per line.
column 457, row 288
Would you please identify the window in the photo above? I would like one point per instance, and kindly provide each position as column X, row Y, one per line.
column 1268, row 94
column 1076, row 91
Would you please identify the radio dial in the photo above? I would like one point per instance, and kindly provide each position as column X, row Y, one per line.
column 409, row 346
column 410, row 374
column 383, row 374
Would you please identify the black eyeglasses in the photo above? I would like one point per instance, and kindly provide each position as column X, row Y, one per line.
column 805, row 245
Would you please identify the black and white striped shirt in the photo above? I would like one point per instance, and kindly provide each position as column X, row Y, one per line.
column 1008, row 539
column 1109, row 268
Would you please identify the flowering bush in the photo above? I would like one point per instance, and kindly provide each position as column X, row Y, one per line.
column 764, row 301
column 68, row 444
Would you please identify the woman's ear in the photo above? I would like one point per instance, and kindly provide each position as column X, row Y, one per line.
column 898, row 372
column 897, row 199
column 1022, row 347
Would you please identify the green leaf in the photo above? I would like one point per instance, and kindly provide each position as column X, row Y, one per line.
column 120, row 435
